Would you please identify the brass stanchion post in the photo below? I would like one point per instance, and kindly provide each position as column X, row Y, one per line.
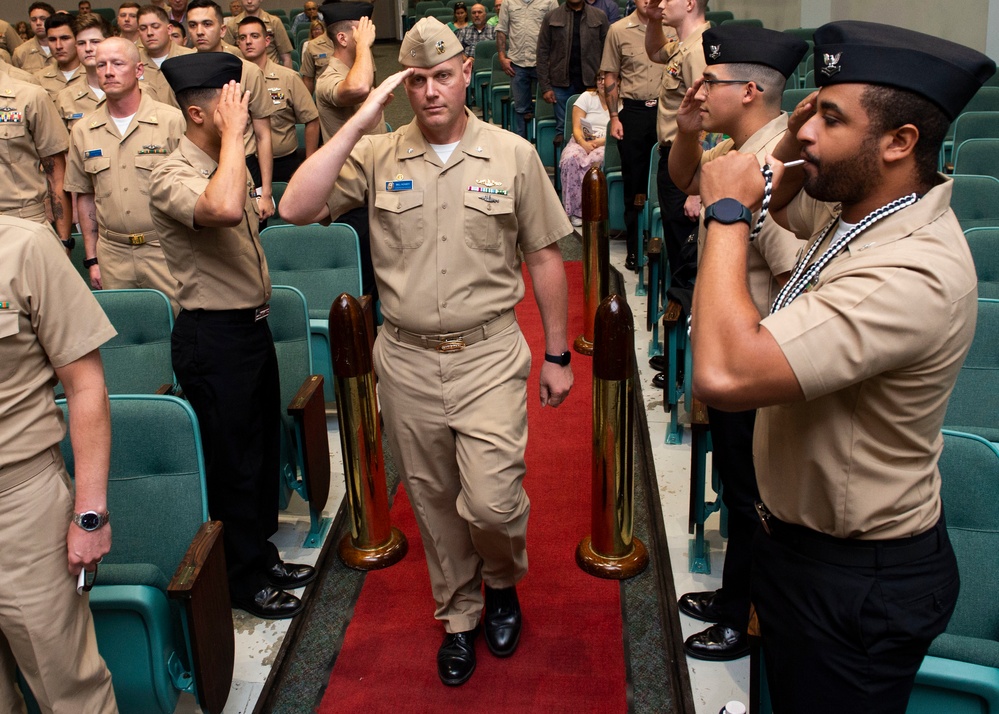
column 596, row 255
column 372, row 542
column 611, row 550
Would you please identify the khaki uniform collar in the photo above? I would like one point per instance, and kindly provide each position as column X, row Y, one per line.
column 147, row 113
column 765, row 134
column 198, row 159
column 934, row 204
column 472, row 143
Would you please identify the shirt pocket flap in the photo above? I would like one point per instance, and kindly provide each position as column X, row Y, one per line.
column 96, row 164
column 9, row 324
column 147, row 161
column 488, row 203
column 11, row 130
column 398, row 201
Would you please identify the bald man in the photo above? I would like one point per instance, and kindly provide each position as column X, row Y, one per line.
column 112, row 153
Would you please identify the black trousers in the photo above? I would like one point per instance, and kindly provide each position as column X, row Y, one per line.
column 639, row 125
column 357, row 218
column 680, row 233
column 849, row 637
column 732, row 455
column 226, row 364
column 285, row 166
column 253, row 166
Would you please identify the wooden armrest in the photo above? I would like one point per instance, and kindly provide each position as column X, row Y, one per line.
column 674, row 311
column 308, row 408
column 655, row 247
column 640, row 199
column 698, row 413
column 203, row 586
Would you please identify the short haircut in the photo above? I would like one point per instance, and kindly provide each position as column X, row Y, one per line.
column 179, row 26
column 154, row 10
column 251, row 20
column 90, row 21
column 197, row 97
column 134, row 5
column 767, row 79
column 889, row 108
column 60, row 19
column 201, row 4
column 41, row 6
column 339, row 26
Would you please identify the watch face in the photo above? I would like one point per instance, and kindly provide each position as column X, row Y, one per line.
column 728, row 210
column 90, row 521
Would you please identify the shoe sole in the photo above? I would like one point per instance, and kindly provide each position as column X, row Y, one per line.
column 690, row 613
column 708, row 657
column 262, row 616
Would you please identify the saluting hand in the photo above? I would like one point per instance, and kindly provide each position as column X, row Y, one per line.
column 232, row 112
column 688, row 116
column 802, row 113
column 364, row 33
column 370, row 113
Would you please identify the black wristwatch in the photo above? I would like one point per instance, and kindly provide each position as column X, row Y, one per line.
column 90, row 262
column 91, row 520
column 727, row 211
column 69, row 244
column 561, row 360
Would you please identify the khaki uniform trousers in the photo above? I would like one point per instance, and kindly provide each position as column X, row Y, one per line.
column 126, row 266
column 457, row 428
column 45, row 627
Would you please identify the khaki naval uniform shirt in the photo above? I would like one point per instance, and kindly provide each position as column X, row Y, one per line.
column 332, row 115
column 73, row 103
column 153, row 80
column 876, row 345
column 54, row 81
column 520, row 21
column 116, row 168
column 9, row 39
column 17, row 73
column 217, row 268
column 30, row 130
column 639, row 77
column 280, row 42
column 31, row 56
column 468, row 240
column 318, row 54
column 775, row 250
column 685, row 64
column 261, row 105
column 292, row 105
column 37, row 333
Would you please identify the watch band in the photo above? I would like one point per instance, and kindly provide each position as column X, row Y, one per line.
column 91, row 520
column 561, row 360
column 90, row 262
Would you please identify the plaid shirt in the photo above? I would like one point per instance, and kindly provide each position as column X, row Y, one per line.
column 470, row 37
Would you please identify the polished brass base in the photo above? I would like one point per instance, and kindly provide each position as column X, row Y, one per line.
column 583, row 346
column 602, row 566
column 390, row 553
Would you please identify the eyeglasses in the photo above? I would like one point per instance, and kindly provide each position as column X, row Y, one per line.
column 709, row 82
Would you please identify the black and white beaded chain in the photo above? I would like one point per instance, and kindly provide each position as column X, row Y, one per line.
column 805, row 274
column 768, row 187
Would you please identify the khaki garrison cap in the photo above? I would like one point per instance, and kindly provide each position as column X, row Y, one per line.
column 428, row 43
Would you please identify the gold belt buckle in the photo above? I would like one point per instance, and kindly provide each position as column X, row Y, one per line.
column 455, row 345
column 137, row 238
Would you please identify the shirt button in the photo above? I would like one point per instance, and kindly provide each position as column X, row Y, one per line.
column 444, row 205
column 444, row 239
column 443, row 304
column 444, row 271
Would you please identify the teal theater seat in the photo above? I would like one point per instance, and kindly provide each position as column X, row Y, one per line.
column 137, row 360
column 305, row 452
column 161, row 597
column 972, row 405
column 984, row 245
column 615, row 184
column 322, row 262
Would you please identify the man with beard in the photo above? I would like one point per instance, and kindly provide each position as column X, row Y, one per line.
column 853, row 573
column 451, row 361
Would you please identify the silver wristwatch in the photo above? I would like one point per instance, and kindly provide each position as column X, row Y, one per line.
column 91, row 520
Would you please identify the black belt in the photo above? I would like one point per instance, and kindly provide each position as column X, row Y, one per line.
column 248, row 314
column 640, row 103
column 852, row 552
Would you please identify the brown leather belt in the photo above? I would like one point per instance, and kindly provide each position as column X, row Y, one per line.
column 454, row 341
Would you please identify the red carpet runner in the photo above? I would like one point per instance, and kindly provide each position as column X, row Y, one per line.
column 571, row 654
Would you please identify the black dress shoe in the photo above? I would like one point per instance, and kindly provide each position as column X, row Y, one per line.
column 658, row 363
column 290, row 575
column 659, row 381
column 701, row 606
column 456, row 657
column 502, row 620
column 270, row 604
column 631, row 262
column 718, row 643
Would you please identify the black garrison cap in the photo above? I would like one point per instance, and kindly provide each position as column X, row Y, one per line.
column 202, row 70
column 946, row 73
column 340, row 11
column 729, row 44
